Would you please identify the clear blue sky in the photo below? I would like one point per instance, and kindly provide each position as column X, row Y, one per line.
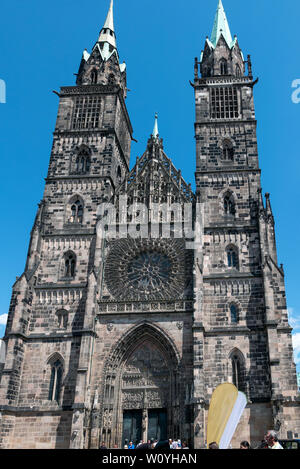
column 41, row 46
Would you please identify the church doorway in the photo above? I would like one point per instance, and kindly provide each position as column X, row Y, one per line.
column 132, row 426
column 141, row 394
column 157, row 424
column 139, row 425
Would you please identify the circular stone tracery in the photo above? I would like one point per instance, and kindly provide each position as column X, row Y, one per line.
column 146, row 269
column 149, row 271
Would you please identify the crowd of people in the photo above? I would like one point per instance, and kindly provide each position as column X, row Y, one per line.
column 151, row 444
column 270, row 441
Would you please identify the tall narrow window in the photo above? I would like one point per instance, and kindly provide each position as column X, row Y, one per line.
column 228, row 151
column 94, row 76
column 55, row 381
column 62, row 318
column 238, row 371
column 229, row 206
column 232, row 257
column 83, row 162
column 76, row 212
column 238, row 71
column 223, row 67
column 70, row 264
column 234, row 314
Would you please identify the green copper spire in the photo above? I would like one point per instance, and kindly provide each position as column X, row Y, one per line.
column 221, row 27
column 155, row 130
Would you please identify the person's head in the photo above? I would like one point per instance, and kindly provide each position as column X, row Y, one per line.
column 271, row 437
column 244, row 445
column 130, row 443
column 213, row 445
column 184, row 444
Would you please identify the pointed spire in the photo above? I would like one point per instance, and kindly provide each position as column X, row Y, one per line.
column 109, row 23
column 155, row 133
column 221, row 27
column 107, row 37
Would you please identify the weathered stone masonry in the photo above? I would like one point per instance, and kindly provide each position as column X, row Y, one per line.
column 108, row 339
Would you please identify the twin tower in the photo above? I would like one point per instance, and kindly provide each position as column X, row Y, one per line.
column 127, row 337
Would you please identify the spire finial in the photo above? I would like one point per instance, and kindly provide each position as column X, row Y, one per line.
column 109, row 23
column 221, row 27
column 155, row 133
column 107, row 33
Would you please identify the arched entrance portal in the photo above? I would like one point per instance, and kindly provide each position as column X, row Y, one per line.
column 141, row 397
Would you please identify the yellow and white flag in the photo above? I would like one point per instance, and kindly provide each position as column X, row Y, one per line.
column 226, row 408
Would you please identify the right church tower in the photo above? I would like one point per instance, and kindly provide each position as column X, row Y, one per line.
column 241, row 330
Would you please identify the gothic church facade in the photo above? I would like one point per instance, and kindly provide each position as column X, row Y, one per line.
column 127, row 337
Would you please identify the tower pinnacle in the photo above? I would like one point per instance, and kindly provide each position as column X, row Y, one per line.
column 155, row 132
column 221, row 26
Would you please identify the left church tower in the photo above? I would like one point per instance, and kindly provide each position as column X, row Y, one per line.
column 44, row 386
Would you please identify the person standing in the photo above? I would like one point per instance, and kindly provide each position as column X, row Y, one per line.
column 174, row 444
column 272, row 440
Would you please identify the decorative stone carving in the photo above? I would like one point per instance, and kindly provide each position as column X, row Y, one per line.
column 146, row 269
column 107, row 418
column 146, row 379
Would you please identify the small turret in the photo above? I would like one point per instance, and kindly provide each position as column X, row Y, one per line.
column 155, row 144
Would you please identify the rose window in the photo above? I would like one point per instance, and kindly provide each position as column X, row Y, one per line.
column 146, row 269
column 149, row 271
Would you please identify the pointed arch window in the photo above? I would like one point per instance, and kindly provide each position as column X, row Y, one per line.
column 238, row 71
column 55, row 381
column 94, row 77
column 223, row 67
column 70, row 264
column 62, row 318
column 232, row 257
column 83, row 163
column 76, row 212
column 228, row 151
column 238, row 370
column 229, row 205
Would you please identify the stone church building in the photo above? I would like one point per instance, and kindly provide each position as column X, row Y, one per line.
column 127, row 336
